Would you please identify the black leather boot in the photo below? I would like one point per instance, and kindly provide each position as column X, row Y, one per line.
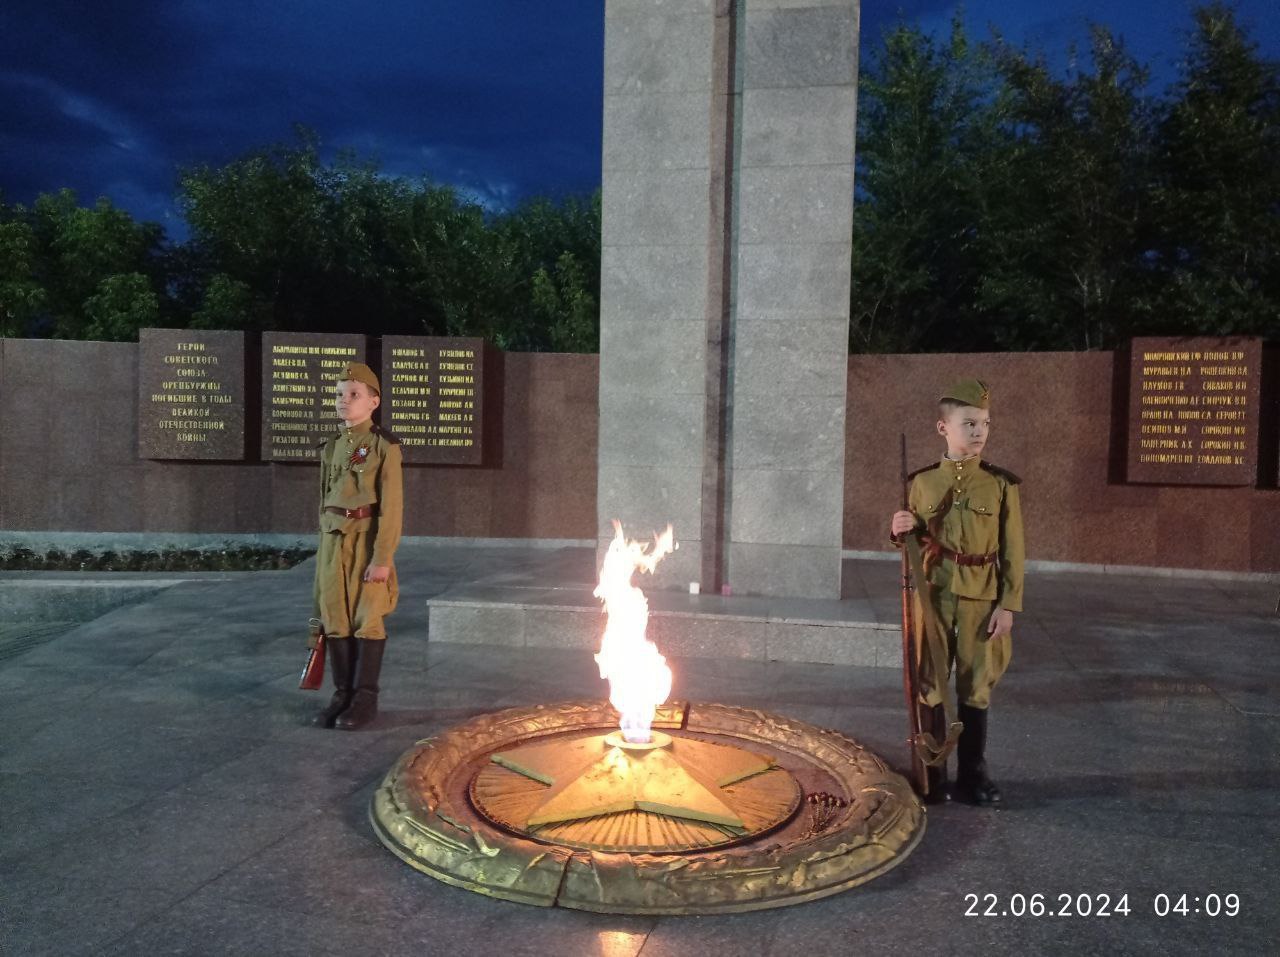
column 938, row 793
column 934, row 721
column 341, row 663
column 364, row 703
column 972, row 784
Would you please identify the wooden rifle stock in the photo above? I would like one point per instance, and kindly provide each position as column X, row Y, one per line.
column 313, row 672
column 910, row 679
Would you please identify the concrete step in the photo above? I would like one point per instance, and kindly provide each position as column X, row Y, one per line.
column 847, row 632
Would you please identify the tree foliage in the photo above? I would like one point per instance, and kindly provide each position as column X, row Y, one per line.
column 290, row 242
column 282, row 239
column 1067, row 224
column 1219, row 198
column 921, row 148
column 1004, row 206
column 78, row 272
column 22, row 297
column 122, row 304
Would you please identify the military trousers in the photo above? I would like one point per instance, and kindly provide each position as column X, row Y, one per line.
column 346, row 603
column 953, row 637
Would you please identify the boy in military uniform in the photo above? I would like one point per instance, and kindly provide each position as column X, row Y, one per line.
column 361, row 506
column 966, row 515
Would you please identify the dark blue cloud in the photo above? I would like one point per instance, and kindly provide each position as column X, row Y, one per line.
column 502, row 99
column 499, row 97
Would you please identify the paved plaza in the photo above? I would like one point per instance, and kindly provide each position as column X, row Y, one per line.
column 162, row 793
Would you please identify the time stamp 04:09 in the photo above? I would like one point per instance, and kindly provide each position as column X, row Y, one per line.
column 1099, row 905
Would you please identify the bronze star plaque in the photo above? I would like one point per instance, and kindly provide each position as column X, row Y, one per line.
column 591, row 791
column 449, row 809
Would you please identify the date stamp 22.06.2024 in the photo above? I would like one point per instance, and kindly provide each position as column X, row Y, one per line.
column 1039, row 904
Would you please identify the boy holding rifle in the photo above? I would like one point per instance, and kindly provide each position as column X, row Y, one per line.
column 966, row 516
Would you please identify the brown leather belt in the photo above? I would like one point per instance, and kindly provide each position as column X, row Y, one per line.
column 960, row 558
column 364, row 511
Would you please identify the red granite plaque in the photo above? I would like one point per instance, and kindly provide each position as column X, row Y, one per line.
column 433, row 393
column 1193, row 411
column 191, row 394
column 299, row 370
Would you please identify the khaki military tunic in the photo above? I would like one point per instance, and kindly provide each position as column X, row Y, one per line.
column 359, row 466
column 970, row 508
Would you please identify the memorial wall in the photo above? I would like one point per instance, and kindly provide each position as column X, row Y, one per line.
column 1193, row 411
column 1065, row 423
column 433, row 398
column 191, row 394
column 298, row 374
column 91, row 454
column 121, row 446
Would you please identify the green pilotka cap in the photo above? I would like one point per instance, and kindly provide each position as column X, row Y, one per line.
column 359, row 372
column 972, row 392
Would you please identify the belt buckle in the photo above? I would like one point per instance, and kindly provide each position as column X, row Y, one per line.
column 348, row 512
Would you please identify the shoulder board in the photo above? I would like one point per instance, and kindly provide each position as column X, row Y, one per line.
column 923, row 470
column 1003, row 473
column 386, row 435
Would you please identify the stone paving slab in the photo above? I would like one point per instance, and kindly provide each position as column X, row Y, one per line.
column 162, row 792
column 26, row 600
column 17, row 637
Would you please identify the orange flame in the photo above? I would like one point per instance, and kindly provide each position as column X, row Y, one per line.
column 638, row 676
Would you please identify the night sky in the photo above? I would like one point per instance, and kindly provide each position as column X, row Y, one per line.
column 501, row 98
